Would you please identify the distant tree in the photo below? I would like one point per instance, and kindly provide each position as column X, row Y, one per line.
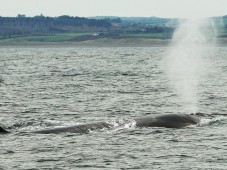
column 20, row 16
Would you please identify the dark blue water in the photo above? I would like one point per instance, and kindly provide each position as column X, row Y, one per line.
column 53, row 87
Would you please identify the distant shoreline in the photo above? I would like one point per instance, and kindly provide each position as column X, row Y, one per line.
column 96, row 32
column 105, row 42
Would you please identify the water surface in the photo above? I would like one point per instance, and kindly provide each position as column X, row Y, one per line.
column 50, row 87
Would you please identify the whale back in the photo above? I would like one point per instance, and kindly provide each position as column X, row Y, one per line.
column 84, row 128
column 2, row 131
column 167, row 120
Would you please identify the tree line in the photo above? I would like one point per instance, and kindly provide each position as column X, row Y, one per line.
column 41, row 25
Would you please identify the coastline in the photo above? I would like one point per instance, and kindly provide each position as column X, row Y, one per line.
column 103, row 42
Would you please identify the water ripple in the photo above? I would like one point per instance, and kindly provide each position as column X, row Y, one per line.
column 54, row 87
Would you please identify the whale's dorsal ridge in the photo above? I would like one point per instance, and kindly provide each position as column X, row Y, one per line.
column 3, row 130
column 163, row 120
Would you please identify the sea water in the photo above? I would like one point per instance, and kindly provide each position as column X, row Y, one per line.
column 51, row 87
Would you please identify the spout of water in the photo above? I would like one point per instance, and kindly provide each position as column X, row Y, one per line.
column 185, row 61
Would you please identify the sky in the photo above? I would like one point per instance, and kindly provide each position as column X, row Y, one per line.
column 123, row 8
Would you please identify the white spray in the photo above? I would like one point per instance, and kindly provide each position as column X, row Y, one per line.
column 184, row 62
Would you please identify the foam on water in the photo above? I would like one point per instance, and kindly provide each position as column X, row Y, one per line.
column 122, row 124
column 209, row 121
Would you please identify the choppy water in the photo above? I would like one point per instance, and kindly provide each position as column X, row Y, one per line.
column 49, row 87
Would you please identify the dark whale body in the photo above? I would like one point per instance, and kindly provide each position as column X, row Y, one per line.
column 168, row 121
column 2, row 131
column 85, row 128
column 165, row 120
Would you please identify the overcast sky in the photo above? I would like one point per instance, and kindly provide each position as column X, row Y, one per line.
column 159, row 8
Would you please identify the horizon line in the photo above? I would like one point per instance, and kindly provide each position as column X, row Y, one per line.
column 161, row 17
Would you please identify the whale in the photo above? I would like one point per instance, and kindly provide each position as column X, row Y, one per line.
column 168, row 121
column 163, row 120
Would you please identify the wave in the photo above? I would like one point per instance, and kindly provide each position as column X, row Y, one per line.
column 212, row 121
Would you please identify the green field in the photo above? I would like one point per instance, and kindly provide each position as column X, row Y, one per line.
column 145, row 35
column 85, row 39
column 45, row 38
column 105, row 39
